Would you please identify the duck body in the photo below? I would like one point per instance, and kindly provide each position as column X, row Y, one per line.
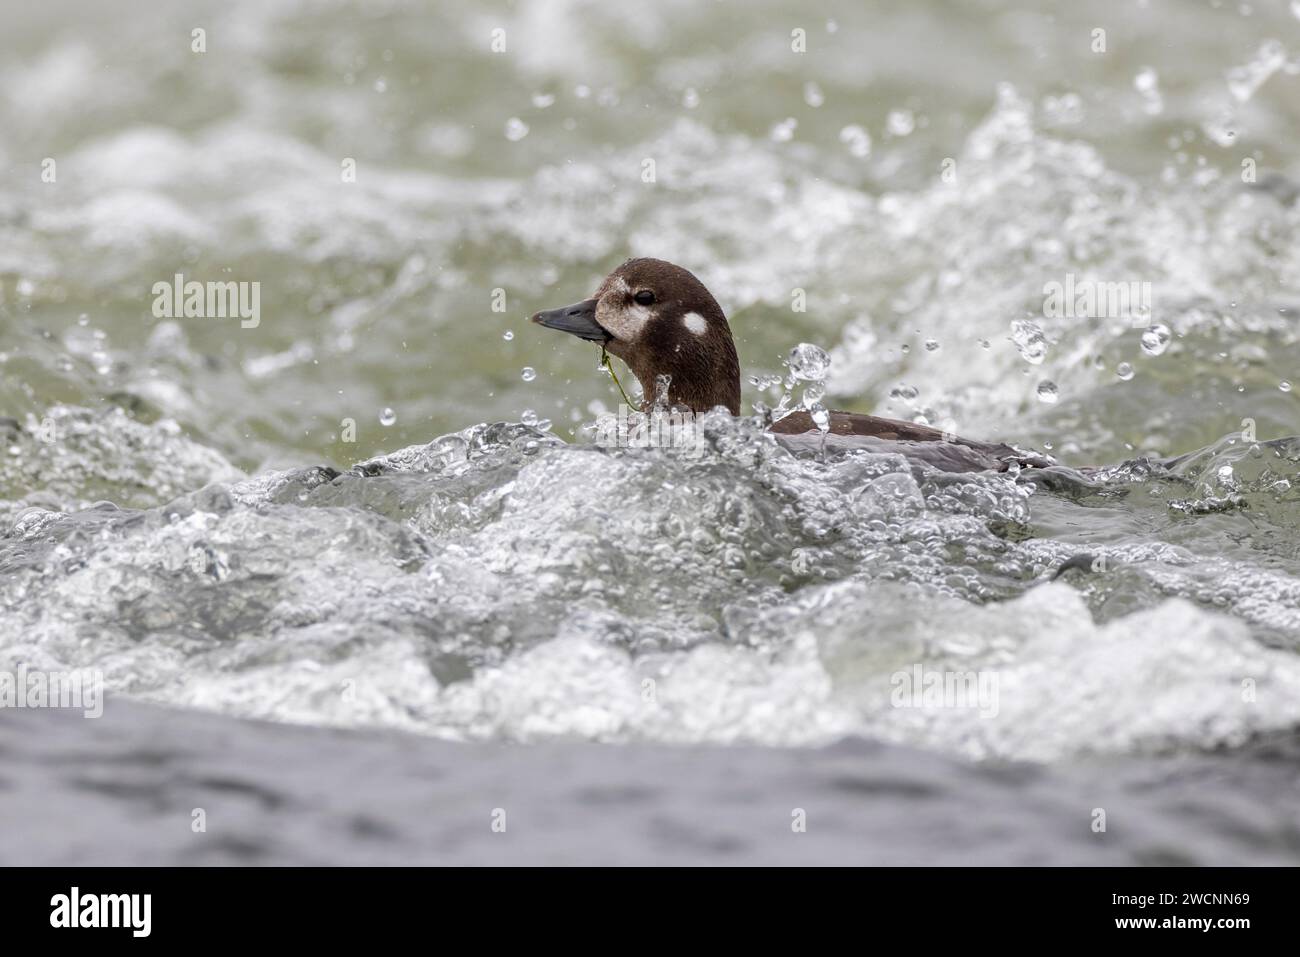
column 661, row 320
column 949, row 453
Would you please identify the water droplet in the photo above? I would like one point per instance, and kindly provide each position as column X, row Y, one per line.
column 1047, row 392
column 528, row 374
column 1243, row 81
column 690, row 98
column 857, row 139
column 904, row 391
column 900, row 122
column 516, row 129
column 1030, row 341
column 507, row 335
column 528, row 417
column 25, row 287
column 783, row 132
column 1124, row 371
column 1147, row 83
column 543, row 100
column 1284, row 386
column 809, row 362
column 387, row 417
column 381, row 85
column 1218, row 128
column 985, row 344
column 1155, row 340
column 813, row 95
column 931, row 345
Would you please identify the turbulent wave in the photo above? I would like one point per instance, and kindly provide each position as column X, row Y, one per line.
column 500, row 583
column 180, row 509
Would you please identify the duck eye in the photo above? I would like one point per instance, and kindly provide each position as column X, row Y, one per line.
column 644, row 297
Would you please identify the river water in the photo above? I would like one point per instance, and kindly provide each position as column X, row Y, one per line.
column 376, row 504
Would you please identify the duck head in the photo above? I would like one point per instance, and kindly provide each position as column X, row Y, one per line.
column 661, row 321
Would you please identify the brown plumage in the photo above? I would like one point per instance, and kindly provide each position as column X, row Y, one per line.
column 703, row 368
column 660, row 320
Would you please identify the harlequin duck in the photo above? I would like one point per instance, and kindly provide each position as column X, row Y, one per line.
column 660, row 320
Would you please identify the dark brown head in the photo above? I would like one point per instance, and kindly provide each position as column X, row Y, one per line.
column 661, row 321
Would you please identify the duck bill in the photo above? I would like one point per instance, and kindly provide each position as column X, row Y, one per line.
column 577, row 320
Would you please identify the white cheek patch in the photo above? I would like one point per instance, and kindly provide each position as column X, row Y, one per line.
column 632, row 320
column 625, row 322
column 695, row 323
